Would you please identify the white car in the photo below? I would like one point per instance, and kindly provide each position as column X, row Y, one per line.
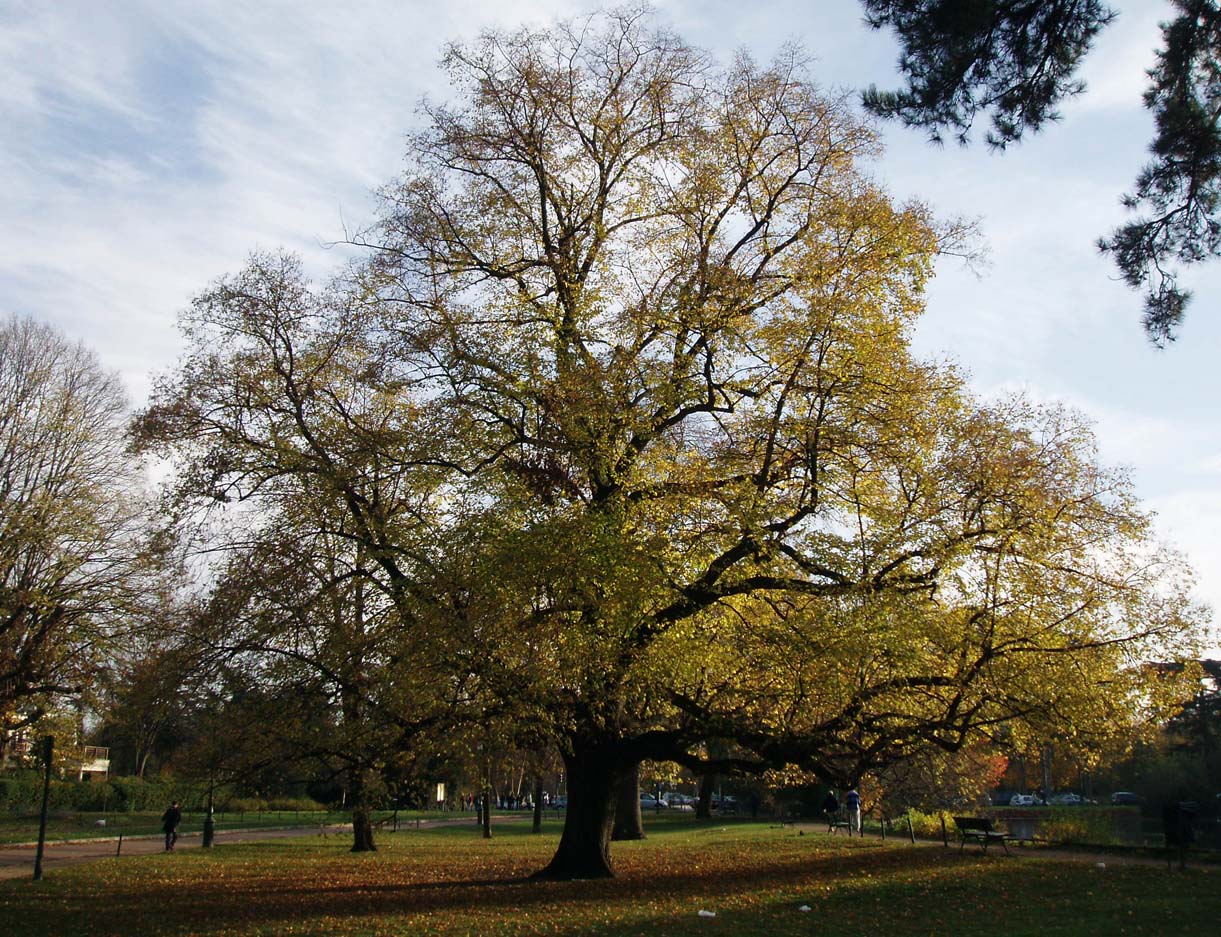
column 1067, row 800
column 1023, row 800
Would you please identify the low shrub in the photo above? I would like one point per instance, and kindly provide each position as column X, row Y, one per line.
column 295, row 804
column 926, row 825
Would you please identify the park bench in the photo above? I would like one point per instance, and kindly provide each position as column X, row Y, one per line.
column 840, row 821
column 980, row 830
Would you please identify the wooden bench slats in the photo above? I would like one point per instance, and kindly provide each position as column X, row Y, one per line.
column 980, row 830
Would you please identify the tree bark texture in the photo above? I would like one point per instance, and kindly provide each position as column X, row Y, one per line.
column 703, row 806
column 584, row 851
column 629, row 824
column 362, row 829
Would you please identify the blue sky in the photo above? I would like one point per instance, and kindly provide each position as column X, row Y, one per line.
column 148, row 147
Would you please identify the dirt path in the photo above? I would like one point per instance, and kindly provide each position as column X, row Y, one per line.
column 1101, row 857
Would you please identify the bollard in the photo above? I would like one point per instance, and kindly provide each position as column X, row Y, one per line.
column 911, row 830
column 119, row 848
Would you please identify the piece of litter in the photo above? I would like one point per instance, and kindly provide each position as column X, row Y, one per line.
column 707, row 913
column 805, row 907
column 1101, row 865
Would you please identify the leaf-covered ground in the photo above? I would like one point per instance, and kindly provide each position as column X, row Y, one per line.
column 754, row 877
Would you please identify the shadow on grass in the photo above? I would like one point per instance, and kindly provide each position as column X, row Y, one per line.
column 275, row 887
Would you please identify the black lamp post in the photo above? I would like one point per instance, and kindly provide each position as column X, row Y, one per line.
column 209, row 830
column 48, row 747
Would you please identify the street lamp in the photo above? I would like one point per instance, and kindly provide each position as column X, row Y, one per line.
column 209, row 830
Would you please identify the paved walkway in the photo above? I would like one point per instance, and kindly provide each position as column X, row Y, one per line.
column 18, row 861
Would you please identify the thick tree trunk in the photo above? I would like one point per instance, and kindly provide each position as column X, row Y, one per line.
column 362, row 829
column 487, row 812
column 362, row 818
column 584, row 850
column 703, row 806
column 628, row 822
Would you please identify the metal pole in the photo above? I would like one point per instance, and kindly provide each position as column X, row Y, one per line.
column 209, row 825
column 48, row 747
column 1181, row 819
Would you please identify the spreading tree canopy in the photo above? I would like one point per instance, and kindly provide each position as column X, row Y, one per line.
column 632, row 343
column 325, row 501
column 71, row 555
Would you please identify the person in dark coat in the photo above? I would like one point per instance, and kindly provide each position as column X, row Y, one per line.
column 830, row 809
column 169, row 825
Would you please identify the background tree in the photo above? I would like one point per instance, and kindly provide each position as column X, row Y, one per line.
column 143, row 707
column 1014, row 61
column 295, row 448
column 1182, row 761
column 73, row 564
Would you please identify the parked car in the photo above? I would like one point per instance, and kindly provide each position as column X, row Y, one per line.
column 1126, row 798
column 1023, row 800
column 676, row 801
column 1066, row 800
column 649, row 802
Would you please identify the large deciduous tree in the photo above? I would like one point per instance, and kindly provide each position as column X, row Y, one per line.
column 666, row 480
column 70, row 554
column 666, row 314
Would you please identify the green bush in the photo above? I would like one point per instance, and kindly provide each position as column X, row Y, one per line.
column 23, row 792
column 300, row 804
column 20, row 791
column 926, row 825
column 1095, row 826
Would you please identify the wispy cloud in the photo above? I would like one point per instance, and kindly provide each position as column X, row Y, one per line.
column 150, row 145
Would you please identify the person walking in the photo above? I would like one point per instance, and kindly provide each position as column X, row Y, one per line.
column 830, row 809
column 852, row 800
column 169, row 825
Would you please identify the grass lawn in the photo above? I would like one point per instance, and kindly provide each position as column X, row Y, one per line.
column 755, row 877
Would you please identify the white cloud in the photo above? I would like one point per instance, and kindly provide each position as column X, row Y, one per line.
column 150, row 145
column 1114, row 72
